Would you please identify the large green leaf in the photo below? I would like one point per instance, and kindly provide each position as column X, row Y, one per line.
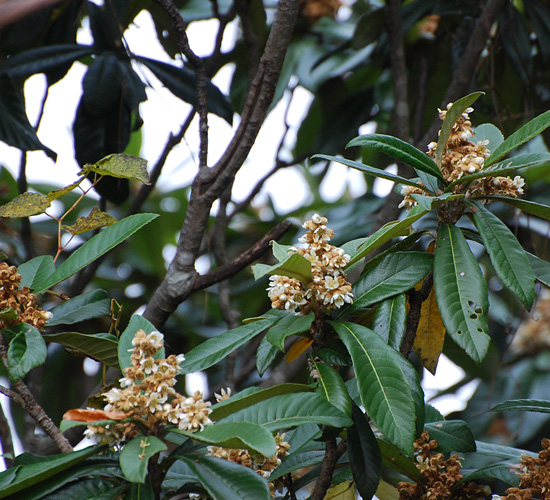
column 531, row 207
column 294, row 266
column 100, row 346
column 461, row 292
column 296, row 461
column 332, row 387
column 89, row 305
column 36, row 270
column 399, row 150
column 253, row 395
column 290, row 325
column 364, row 455
column 215, row 349
column 537, row 405
column 389, row 320
column 382, row 174
column 392, row 275
column 32, row 469
column 452, row 435
column 383, row 387
column 253, row 437
column 94, row 248
column 97, row 488
column 26, row 351
column 224, row 480
column 412, row 376
column 541, row 268
column 507, row 255
column 507, row 471
column 136, row 323
column 136, row 454
column 451, row 117
column 520, row 136
column 290, row 410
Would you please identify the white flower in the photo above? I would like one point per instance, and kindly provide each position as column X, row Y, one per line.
column 113, row 395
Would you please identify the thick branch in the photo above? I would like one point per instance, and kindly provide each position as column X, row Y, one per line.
column 332, row 454
column 210, row 183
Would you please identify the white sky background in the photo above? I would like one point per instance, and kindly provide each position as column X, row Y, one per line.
column 162, row 114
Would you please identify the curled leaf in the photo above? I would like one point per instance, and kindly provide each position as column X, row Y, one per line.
column 25, row 205
column 97, row 219
column 80, row 415
column 121, row 166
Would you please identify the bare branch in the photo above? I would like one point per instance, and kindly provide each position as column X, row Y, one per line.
column 5, row 438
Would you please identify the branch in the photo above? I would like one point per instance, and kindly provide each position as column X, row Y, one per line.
column 6, row 439
column 332, row 454
column 210, row 183
column 413, row 317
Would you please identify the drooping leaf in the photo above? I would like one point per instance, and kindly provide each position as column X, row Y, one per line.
column 389, row 320
column 290, row 410
column 86, row 306
column 94, row 248
column 252, row 437
column 332, row 387
column 382, row 174
column 26, row 351
column 290, row 325
column 452, row 435
column 461, row 292
column 136, row 323
column 520, row 136
column 430, row 334
column 364, row 455
column 298, row 348
column 25, row 205
column 265, row 356
column 36, row 270
column 224, row 480
column 392, row 275
column 122, row 166
column 96, row 219
column 101, row 85
column 383, row 388
column 215, row 349
column 294, row 266
column 537, row 405
column 101, row 347
column 507, row 255
column 452, row 115
column 136, row 454
column 399, row 150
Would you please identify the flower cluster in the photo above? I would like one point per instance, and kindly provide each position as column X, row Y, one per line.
column 533, row 335
column 22, row 302
column 329, row 288
column 147, row 393
column 463, row 157
column 263, row 466
column 439, row 476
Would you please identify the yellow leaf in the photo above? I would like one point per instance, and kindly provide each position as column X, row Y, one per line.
column 342, row 491
column 95, row 220
column 386, row 491
column 25, row 205
column 298, row 348
column 58, row 193
column 430, row 334
column 120, row 165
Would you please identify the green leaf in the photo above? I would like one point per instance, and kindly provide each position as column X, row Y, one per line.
column 504, row 168
column 136, row 323
column 383, row 388
column 95, row 220
column 32, row 469
column 530, row 207
column 95, row 247
column 26, row 351
column 392, row 275
column 252, row 437
column 332, row 387
column 412, row 376
column 254, row 395
column 120, row 165
column 357, row 249
column 537, row 405
column 399, row 150
column 452, row 435
column 508, row 471
column 364, row 455
column 291, row 325
column 101, row 347
column 520, row 136
column 296, row 461
column 394, row 459
column 488, row 132
column 281, row 252
column 451, row 117
column 224, row 480
column 461, row 292
column 136, row 454
column 25, row 205
column 507, row 255
column 500, row 451
column 290, row 410
column 265, row 356
column 215, row 349
column 382, row 174
column 96, row 488
column 86, row 306
column 541, row 268
column 294, row 266
column 36, row 270
column 389, row 320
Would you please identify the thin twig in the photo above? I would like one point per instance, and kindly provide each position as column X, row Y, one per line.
column 6, row 440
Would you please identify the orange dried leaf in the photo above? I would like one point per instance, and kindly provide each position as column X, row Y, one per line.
column 298, row 348
column 80, row 415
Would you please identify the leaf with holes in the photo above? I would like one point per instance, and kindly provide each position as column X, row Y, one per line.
column 25, row 205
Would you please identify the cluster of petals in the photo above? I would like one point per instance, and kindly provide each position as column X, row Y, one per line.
column 329, row 287
column 462, row 157
column 147, row 392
